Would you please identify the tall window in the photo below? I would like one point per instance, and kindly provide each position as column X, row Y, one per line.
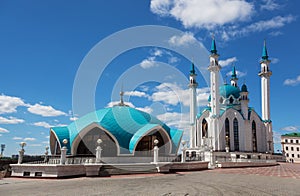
column 236, row 135
column 227, row 133
column 254, row 140
column 204, row 128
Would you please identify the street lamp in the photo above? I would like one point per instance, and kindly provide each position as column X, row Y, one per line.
column 21, row 152
column 2, row 149
column 155, row 151
column 98, row 151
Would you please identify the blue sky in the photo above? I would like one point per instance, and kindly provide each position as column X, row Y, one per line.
column 43, row 43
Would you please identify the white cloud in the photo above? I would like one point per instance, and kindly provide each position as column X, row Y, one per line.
column 2, row 130
column 29, row 139
column 45, row 142
column 269, row 5
column 17, row 138
column 176, row 120
column 73, row 118
column 173, row 94
column 42, row 124
column 136, row 93
column 157, row 52
column 275, row 33
column 148, row 63
column 146, row 109
column 114, row 103
column 292, row 82
column 263, row 25
column 290, row 128
column 10, row 120
column 173, row 59
column 46, row 111
column 205, row 13
column 238, row 73
column 228, row 61
column 183, row 40
column 9, row 104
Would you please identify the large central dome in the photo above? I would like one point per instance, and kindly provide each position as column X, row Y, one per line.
column 125, row 124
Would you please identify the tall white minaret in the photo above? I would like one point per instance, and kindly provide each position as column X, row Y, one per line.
column 265, row 75
column 214, row 69
column 193, row 106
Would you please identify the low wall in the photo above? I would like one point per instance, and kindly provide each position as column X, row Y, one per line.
column 245, row 164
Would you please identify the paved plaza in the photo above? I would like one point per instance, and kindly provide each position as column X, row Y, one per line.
column 283, row 179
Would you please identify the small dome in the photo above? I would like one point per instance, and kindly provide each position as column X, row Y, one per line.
column 227, row 90
column 244, row 88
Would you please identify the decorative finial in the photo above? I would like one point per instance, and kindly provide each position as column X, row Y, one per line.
column 225, row 79
column 192, row 70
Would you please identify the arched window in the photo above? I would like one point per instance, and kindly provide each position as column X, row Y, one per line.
column 227, row 133
column 236, row 135
column 254, row 140
column 204, row 128
column 231, row 100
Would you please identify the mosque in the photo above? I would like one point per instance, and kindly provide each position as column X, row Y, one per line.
column 228, row 124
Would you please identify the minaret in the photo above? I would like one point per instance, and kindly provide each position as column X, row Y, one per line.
column 193, row 106
column 214, row 69
column 265, row 75
column 234, row 79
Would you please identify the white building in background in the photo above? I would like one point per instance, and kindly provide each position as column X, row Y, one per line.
column 291, row 147
column 228, row 123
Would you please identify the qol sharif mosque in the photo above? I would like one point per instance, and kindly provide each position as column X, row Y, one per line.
column 228, row 124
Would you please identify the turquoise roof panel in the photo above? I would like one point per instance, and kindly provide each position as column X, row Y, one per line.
column 62, row 133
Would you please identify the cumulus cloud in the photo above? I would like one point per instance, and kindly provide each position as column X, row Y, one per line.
column 135, row 94
column 45, row 111
column 10, row 120
column 228, row 61
column 176, row 120
column 184, row 40
column 148, row 63
column 205, row 13
column 290, row 128
column 173, row 94
column 9, row 104
column 146, row 109
column 2, row 130
column 42, row 124
column 292, row 81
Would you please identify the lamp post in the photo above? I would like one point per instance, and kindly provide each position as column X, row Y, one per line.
column 183, row 155
column 155, row 151
column 46, row 154
column 63, row 152
column 2, row 149
column 227, row 144
column 98, row 151
column 21, row 152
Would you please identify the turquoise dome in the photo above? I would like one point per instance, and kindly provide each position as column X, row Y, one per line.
column 226, row 90
column 126, row 124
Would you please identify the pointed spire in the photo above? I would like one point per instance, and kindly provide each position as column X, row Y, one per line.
column 192, row 70
column 213, row 49
column 265, row 52
column 233, row 73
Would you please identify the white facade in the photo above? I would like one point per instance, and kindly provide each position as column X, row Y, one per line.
column 291, row 147
column 228, row 122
